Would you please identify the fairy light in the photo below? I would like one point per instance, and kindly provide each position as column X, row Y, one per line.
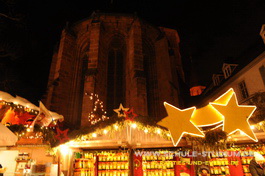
column 105, row 131
column 134, row 125
column 252, row 127
column 146, row 130
column 94, row 135
column 98, row 113
column 116, row 126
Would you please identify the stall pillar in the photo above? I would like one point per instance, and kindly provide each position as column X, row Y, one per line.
column 64, row 160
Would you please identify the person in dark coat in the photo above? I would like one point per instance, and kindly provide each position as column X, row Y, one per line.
column 256, row 166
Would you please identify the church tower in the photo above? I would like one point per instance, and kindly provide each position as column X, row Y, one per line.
column 121, row 58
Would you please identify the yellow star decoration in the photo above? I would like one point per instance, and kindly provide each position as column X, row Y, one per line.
column 120, row 111
column 208, row 115
column 236, row 117
column 178, row 123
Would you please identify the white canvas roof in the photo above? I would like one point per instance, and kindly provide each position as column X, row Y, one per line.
column 7, row 137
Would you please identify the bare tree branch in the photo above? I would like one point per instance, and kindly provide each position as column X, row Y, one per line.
column 8, row 17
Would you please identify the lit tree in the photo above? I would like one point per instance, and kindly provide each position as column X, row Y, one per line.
column 98, row 113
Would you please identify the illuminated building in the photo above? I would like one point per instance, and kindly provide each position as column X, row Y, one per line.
column 122, row 59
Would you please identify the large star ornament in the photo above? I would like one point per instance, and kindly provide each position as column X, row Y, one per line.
column 178, row 123
column 236, row 117
column 121, row 111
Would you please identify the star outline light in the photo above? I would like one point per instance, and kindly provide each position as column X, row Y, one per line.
column 176, row 138
column 130, row 115
column 121, row 108
column 233, row 96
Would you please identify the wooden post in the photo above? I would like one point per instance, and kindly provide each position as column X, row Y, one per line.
column 59, row 164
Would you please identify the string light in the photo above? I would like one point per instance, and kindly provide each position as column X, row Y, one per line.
column 134, row 125
column 98, row 114
column 116, row 126
column 94, row 135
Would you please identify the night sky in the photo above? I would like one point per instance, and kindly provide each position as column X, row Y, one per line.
column 210, row 33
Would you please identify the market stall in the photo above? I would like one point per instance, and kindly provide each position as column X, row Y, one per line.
column 26, row 134
column 130, row 147
column 7, row 158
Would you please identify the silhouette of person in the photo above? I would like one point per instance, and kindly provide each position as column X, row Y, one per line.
column 256, row 165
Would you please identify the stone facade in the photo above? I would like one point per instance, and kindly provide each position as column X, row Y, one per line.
column 121, row 58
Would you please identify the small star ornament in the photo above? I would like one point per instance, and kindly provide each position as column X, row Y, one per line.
column 130, row 115
column 62, row 135
column 121, row 111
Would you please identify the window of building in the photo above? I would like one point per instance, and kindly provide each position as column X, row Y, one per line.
column 262, row 73
column 243, row 89
column 151, row 80
column 217, row 78
column 228, row 69
column 262, row 32
column 116, row 76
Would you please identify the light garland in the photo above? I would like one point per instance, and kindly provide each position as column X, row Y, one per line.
column 119, row 126
column 15, row 105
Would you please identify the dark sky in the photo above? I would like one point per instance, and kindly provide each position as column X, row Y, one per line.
column 210, row 32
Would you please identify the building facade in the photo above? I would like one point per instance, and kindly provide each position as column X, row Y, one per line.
column 246, row 77
column 122, row 59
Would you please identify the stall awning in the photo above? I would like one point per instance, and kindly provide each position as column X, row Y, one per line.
column 7, row 137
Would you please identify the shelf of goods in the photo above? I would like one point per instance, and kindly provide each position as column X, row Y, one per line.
column 22, row 161
column 158, row 165
column 219, row 164
column 101, row 163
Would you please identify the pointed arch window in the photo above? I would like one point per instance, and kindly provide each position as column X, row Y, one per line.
column 151, row 80
column 116, row 74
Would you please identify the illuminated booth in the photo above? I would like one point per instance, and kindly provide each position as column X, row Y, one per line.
column 24, row 149
column 127, row 148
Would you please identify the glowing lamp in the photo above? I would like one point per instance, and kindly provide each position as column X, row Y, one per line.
column 134, row 125
column 64, row 149
column 94, row 135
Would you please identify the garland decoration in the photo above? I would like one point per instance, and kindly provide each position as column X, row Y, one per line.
column 214, row 140
column 45, row 133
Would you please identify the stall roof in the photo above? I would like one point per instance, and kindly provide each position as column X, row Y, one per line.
column 7, row 137
column 129, row 136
